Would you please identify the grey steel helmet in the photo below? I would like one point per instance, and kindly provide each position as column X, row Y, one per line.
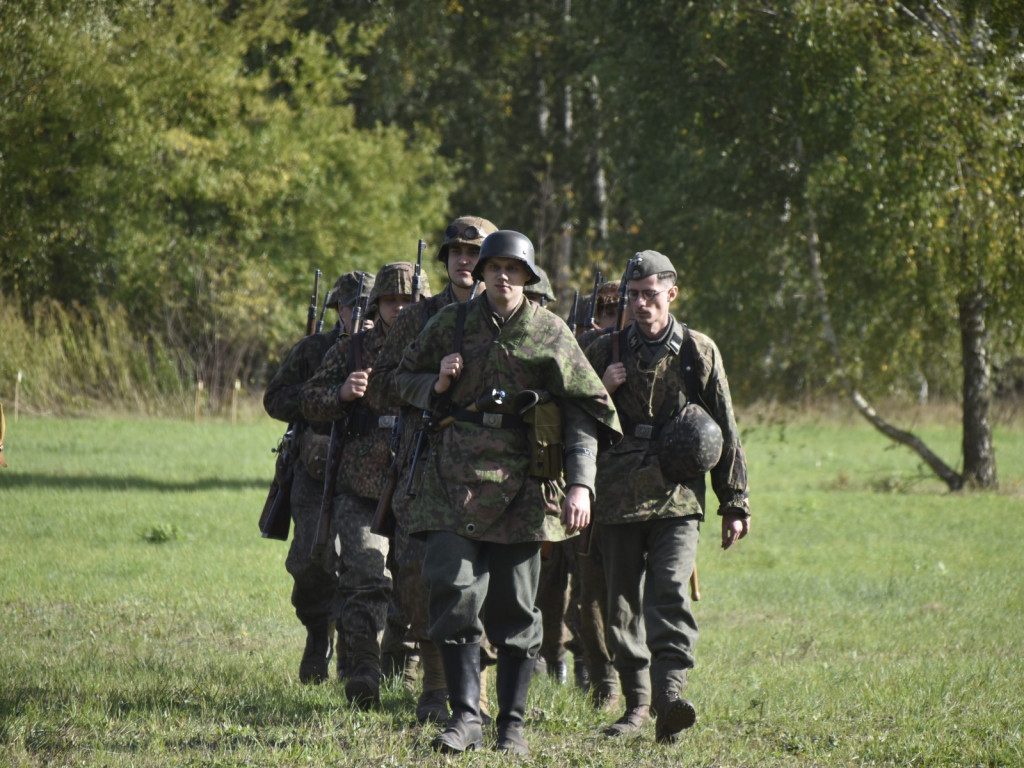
column 395, row 279
column 465, row 229
column 540, row 291
column 508, row 244
column 691, row 444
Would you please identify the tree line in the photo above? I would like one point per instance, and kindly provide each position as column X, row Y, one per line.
column 839, row 183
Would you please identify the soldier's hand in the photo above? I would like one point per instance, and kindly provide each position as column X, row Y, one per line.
column 354, row 386
column 576, row 509
column 614, row 377
column 734, row 528
column 451, row 367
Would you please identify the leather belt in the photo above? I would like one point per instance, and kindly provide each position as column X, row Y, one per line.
column 492, row 420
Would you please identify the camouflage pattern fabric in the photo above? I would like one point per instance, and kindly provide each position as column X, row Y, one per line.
column 630, row 485
column 367, row 455
column 410, row 589
column 476, row 482
column 315, row 590
column 282, row 398
column 364, row 583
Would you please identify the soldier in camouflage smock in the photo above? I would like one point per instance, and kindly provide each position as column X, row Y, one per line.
column 459, row 253
column 558, row 589
column 338, row 390
column 647, row 524
column 593, row 591
column 314, row 592
column 494, row 474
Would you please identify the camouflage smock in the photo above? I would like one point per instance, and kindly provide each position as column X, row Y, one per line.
column 282, row 398
column 476, row 480
column 382, row 392
column 367, row 452
column 629, row 480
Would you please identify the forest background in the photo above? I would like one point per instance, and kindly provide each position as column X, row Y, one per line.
column 839, row 183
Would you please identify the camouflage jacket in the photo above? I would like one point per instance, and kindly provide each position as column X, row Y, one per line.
column 629, row 480
column 367, row 451
column 282, row 397
column 382, row 391
column 476, row 480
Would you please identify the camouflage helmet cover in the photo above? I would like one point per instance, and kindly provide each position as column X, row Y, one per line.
column 345, row 287
column 395, row 279
column 465, row 229
column 542, row 288
column 508, row 244
column 607, row 293
column 691, row 444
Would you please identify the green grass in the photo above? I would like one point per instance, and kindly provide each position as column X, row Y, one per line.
column 871, row 618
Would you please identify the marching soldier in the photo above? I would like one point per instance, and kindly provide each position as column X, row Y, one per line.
column 494, row 472
column 459, row 253
column 671, row 392
column 314, row 589
column 338, row 391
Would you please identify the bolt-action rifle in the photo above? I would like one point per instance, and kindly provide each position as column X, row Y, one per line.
column 323, row 310
column 339, row 431
column 383, row 523
column 276, row 518
column 598, row 279
column 429, row 419
column 573, row 313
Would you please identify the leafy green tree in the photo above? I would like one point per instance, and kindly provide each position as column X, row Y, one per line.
column 225, row 166
column 815, row 174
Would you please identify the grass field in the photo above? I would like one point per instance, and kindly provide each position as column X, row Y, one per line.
column 871, row 618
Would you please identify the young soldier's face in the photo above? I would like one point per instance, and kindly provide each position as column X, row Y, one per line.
column 649, row 300
column 462, row 258
column 389, row 306
column 506, row 277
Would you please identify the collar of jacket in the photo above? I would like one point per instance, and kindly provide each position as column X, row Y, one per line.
column 650, row 354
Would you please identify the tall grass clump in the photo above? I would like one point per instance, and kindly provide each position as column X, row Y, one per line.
column 74, row 359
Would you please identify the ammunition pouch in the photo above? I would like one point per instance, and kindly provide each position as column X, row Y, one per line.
column 543, row 419
column 313, row 450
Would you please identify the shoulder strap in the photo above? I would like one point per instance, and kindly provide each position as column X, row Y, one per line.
column 460, row 325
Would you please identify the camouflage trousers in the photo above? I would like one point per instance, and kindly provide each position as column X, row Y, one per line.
column 411, row 592
column 593, row 604
column 558, row 598
column 470, row 579
column 315, row 589
column 359, row 558
column 647, row 567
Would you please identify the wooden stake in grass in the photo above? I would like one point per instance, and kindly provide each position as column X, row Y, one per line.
column 3, row 433
column 199, row 399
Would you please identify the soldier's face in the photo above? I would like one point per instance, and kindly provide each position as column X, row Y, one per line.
column 389, row 306
column 606, row 312
column 506, row 278
column 462, row 258
column 649, row 300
